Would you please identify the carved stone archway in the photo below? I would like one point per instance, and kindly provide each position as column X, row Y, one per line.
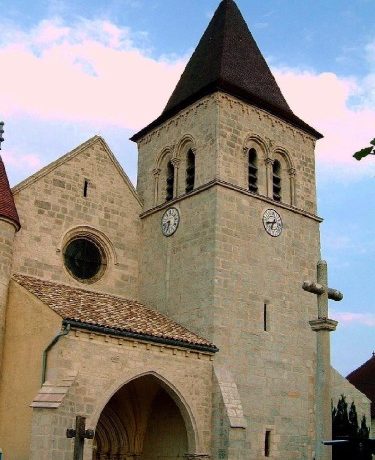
column 141, row 421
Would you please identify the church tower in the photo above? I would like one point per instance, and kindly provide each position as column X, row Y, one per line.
column 9, row 225
column 230, row 231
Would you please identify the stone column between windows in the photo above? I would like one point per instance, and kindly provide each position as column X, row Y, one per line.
column 156, row 172
column 269, row 162
column 292, row 180
column 175, row 162
column 194, row 150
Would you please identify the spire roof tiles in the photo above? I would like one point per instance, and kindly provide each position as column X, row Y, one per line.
column 7, row 206
column 228, row 59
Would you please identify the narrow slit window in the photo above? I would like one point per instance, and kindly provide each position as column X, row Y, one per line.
column 85, row 188
column 267, row 443
column 276, row 180
column 190, row 171
column 253, row 171
column 170, row 182
column 265, row 314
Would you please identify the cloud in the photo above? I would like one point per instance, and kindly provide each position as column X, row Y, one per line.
column 90, row 72
column 18, row 160
column 324, row 101
column 94, row 71
column 348, row 318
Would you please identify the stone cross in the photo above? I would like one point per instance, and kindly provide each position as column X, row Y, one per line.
column 323, row 326
column 79, row 433
column 1, row 132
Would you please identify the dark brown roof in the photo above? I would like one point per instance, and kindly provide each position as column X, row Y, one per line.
column 228, row 59
column 363, row 379
column 7, row 206
column 111, row 314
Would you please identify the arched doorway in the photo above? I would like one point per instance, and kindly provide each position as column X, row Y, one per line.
column 141, row 422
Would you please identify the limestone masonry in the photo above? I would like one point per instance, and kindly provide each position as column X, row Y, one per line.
column 180, row 334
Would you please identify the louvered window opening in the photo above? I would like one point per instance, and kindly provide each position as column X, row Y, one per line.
column 170, row 182
column 190, row 171
column 276, row 180
column 253, row 171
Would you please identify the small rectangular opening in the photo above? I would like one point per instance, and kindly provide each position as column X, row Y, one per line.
column 85, row 188
column 267, row 443
column 265, row 325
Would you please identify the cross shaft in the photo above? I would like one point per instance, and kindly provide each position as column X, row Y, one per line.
column 322, row 326
column 79, row 433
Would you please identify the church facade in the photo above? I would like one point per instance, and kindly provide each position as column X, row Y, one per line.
column 171, row 316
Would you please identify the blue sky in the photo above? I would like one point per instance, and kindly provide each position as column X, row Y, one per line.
column 69, row 70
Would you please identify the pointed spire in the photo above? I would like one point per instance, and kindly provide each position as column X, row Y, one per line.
column 8, row 208
column 228, row 59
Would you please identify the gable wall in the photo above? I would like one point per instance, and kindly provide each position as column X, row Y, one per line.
column 54, row 204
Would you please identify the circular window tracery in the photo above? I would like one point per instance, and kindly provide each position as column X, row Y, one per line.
column 84, row 259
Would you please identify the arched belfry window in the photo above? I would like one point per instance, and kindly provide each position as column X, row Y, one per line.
column 276, row 180
column 190, row 171
column 169, row 182
column 253, row 171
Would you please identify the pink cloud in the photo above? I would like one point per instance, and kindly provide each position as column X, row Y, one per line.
column 365, row 319
column 89, row 73
column 92, row 72
column 21, row 161
column 322, row 100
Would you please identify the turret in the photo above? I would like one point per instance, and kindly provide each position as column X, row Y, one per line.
column 9, row 225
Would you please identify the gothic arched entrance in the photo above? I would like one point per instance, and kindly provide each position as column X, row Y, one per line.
column 142, row 422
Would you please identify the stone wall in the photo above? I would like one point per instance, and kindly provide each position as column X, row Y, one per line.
column 103, row 365
column 220, row 268
column 195, row 127
column 53, row 209
column 30, row 328
column 341, row 386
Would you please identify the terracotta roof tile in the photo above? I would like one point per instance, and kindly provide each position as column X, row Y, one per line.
column 7, row 205
column 363, row 379
column 112, row 312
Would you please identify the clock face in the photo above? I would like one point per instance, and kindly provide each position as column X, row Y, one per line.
column 170, row 221
column 272, row 222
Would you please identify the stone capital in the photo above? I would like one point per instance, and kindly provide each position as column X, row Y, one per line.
column 269, row 161
column 175, row 162
column 323, row 324
column 292, row 172
column 156, row 172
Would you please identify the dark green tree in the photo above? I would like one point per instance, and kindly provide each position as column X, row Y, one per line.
column 345, row 425
column 366, row 151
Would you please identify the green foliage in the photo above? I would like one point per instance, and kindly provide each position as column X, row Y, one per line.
column 345, row 425
column 366, row 151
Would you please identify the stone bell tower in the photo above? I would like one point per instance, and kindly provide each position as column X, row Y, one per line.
column 9, row 225
column 230, row 231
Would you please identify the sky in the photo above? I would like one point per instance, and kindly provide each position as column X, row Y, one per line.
column 73, row 69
